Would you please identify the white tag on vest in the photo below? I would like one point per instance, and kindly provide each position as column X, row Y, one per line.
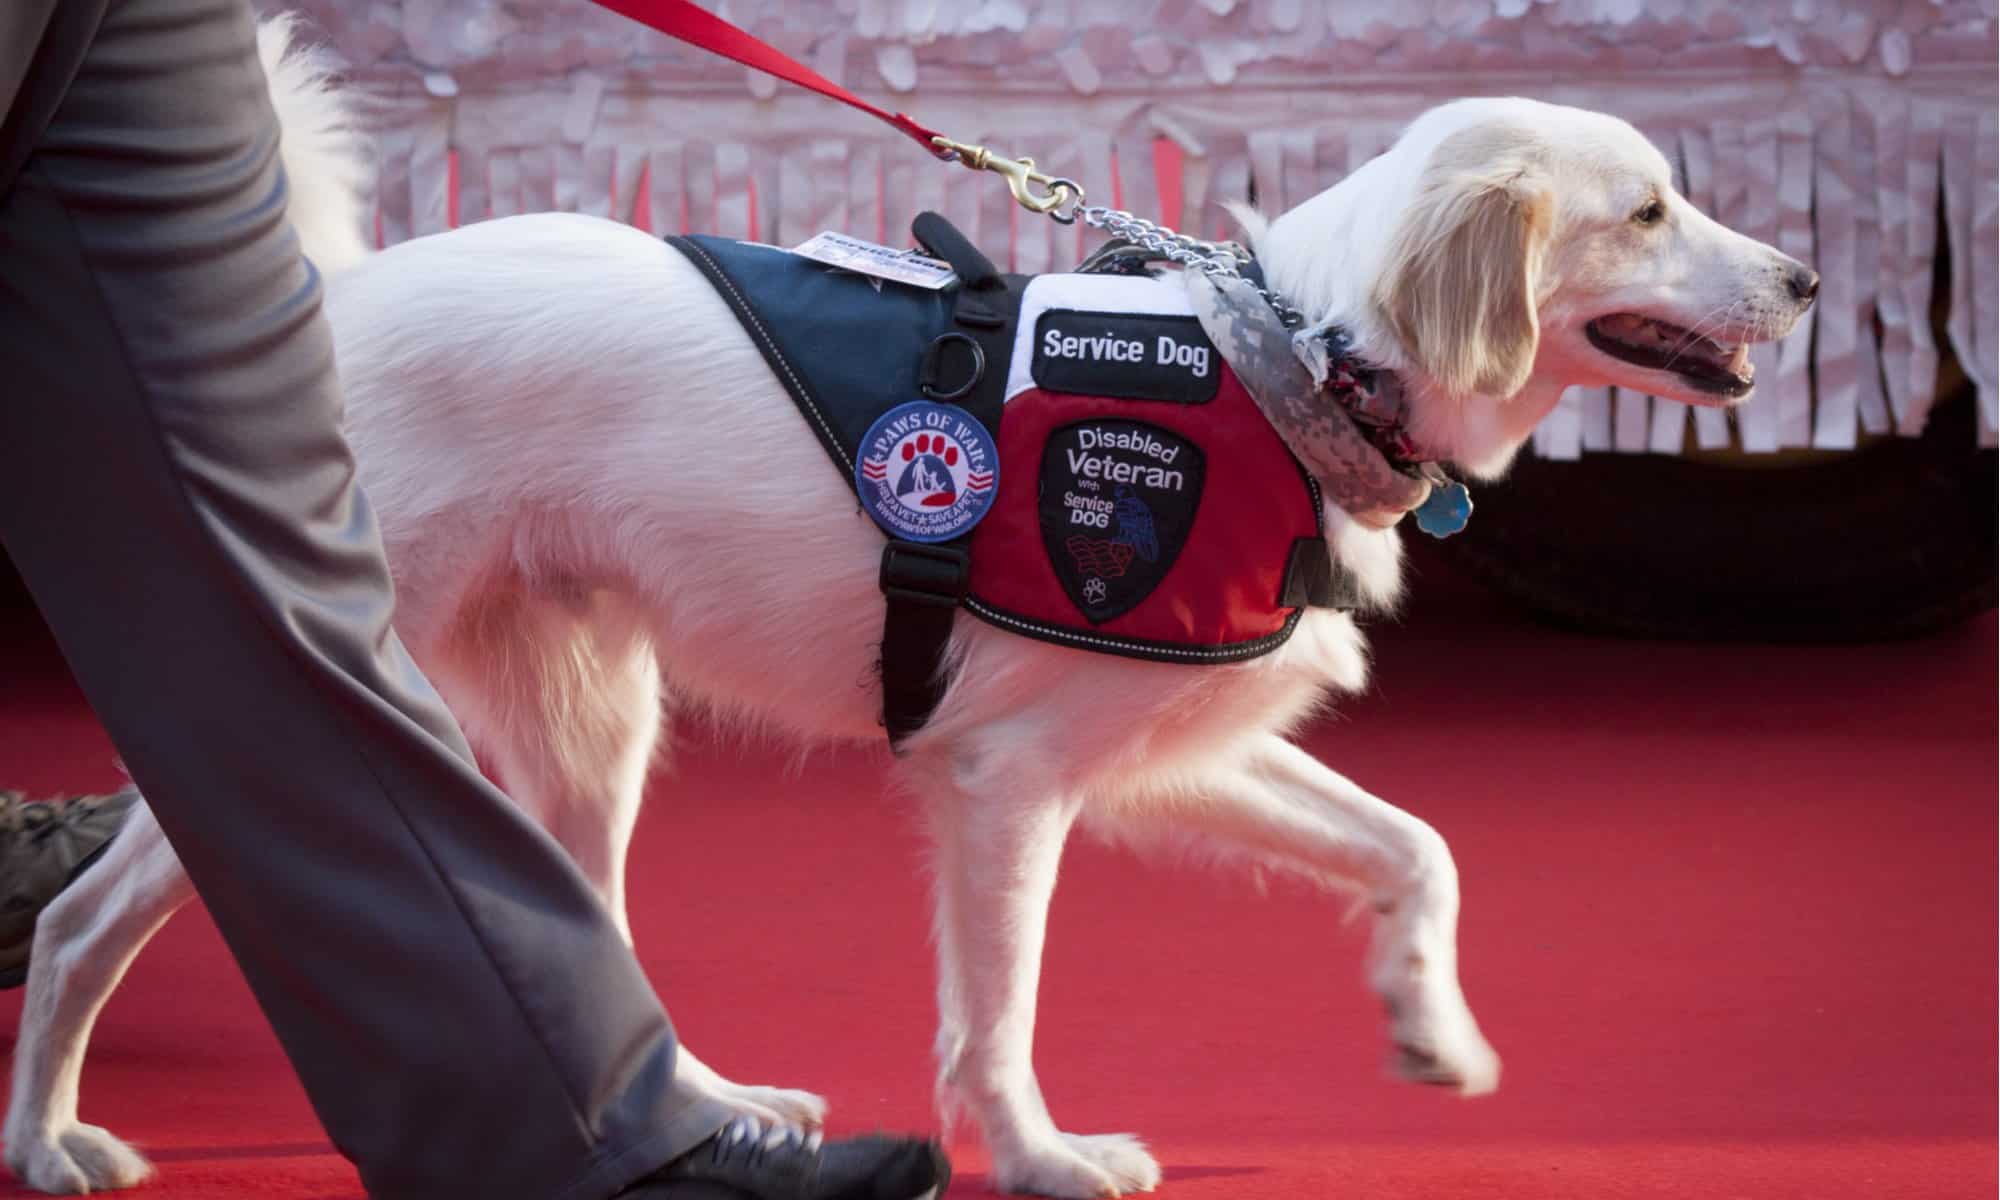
column 867, row 258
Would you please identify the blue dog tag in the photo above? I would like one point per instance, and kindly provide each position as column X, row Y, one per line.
column 1446, row 510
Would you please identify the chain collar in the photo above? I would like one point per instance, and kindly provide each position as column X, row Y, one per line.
column 1157, row 241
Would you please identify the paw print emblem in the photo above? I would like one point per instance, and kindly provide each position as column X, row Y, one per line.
column 1093, row 590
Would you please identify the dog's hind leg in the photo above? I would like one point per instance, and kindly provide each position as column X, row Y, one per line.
column 998, row 829
column 1280, row 808
column 561, row 695
column 84, row 941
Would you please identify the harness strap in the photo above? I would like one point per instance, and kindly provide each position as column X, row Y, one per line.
column 681, row 19
column 942, row 239
column 1315, row 579
column 923, row 585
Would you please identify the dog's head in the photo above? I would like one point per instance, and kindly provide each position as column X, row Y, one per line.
column 1516, row 248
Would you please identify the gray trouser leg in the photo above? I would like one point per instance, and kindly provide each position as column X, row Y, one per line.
column 176, row 493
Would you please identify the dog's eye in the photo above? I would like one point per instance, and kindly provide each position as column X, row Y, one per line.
column 1651, row 213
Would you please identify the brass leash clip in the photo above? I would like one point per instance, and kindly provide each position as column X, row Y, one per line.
column 1022, row 179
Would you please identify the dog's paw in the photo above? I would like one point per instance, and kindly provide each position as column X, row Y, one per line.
column 772, row 1108
column 1433, row 1037
column 779, row 1108
column 78, row 1160
column 1121, row 1155
column 793, row 1108
column 1465, row 1063
column 1079, row 1167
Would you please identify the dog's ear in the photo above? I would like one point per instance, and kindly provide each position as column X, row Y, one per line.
column 1460, row 284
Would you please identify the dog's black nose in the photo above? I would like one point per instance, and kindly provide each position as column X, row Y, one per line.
column 1804, row 283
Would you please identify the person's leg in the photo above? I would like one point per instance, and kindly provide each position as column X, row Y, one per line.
column 176, row 493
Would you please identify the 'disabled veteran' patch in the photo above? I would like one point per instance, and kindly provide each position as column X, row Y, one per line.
column 927, row 472
column 1117, row 501
column 1127, row 356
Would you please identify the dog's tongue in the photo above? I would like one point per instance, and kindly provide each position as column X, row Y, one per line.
column 1636, row 330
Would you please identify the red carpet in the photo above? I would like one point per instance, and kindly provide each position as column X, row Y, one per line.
column 1730, row 919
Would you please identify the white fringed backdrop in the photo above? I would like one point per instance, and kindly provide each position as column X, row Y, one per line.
column 1857, row 136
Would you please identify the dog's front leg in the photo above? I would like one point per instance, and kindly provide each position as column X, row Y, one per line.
column 999, row 831
column 1279, row 807
column 84, row 941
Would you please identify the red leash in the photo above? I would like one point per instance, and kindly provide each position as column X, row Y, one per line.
column 1036, row 191
column 698, row 27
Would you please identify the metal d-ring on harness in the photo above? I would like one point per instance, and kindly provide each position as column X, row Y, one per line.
column 931, row 373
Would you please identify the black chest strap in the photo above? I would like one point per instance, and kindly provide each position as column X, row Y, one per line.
column 923, row 585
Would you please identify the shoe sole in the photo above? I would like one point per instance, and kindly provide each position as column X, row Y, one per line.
column 941, row 1170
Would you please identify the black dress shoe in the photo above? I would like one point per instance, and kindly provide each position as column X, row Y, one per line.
column 743, row 1162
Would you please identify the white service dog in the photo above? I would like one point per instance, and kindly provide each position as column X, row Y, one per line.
column 590, row 483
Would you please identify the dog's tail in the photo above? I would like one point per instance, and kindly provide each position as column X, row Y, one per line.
column 1253, row 223
column 325, row 152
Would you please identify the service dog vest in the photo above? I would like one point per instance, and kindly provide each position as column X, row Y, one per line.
column 1144, row 506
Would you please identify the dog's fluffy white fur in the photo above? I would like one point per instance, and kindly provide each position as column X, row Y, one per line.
column 596, row 498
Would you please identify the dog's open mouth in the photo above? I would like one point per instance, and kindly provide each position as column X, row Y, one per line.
column 1704, row 363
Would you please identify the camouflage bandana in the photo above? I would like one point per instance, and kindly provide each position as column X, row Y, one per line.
column 1352, row 470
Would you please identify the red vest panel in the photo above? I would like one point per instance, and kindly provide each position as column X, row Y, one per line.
column 1153, row 511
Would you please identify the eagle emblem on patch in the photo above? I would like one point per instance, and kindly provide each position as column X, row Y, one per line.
column 928, row 472
column 1118, row 498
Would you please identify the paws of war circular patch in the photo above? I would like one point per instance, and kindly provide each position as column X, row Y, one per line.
column 928, row 472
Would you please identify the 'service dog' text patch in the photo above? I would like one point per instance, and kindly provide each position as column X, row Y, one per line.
column 1117, row 501
column 1128, row 356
